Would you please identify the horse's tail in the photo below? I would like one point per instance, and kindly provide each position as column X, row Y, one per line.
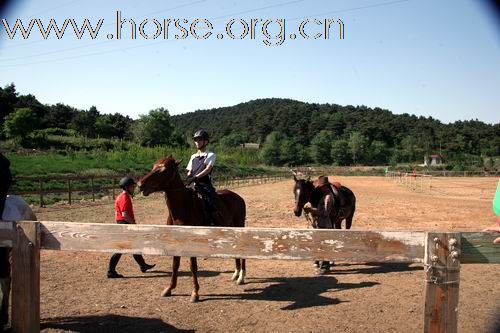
column 241, row 213
column 351, row 203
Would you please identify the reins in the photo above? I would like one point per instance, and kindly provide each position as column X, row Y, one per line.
column 175, row 189
column 310, row 220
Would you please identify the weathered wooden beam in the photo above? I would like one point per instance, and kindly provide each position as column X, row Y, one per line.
column 256, row 243
column 478, row 248
column 442, row 277
column 26, row 278
column 6, row 234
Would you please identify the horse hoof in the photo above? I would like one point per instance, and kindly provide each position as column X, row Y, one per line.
column 195, row 298
column 166, row 292
column 240, row 282
column 235, row 276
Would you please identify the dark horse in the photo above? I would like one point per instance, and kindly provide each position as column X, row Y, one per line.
column 344, row 201
column 186, row 208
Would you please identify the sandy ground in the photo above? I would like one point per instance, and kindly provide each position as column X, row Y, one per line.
column 283, row 296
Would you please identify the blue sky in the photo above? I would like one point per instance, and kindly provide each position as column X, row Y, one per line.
column 423, row 57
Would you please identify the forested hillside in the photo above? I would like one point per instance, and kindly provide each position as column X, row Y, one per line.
column 376, row 135
column 290, row 132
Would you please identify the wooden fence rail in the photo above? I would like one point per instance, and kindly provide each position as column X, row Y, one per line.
column 92, row 189
column 440, row 252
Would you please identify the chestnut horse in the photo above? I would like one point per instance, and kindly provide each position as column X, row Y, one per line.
column 344, row 203
column 187, row 209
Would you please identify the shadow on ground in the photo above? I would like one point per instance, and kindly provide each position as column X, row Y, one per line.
column 301, row 292
column 162, row 274
column 108, row 324
column 375, row 268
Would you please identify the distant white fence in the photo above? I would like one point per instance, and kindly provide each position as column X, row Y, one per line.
column 415, row 181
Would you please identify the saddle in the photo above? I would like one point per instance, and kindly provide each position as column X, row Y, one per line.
column 210, row 214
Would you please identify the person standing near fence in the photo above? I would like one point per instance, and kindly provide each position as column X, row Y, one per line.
column 322, row 213
column 5, row 181
column 124, row 214
column 496, row 211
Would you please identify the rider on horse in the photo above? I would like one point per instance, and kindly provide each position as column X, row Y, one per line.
column 199, row 170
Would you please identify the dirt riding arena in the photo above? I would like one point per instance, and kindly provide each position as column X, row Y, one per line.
column 279, row 296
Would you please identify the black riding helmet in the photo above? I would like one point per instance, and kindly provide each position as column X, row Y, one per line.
column 201, row 133
column 126, row 181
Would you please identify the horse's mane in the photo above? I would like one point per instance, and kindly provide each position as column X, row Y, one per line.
column 164, row 160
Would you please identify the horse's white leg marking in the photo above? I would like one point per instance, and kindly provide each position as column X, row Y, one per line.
column 241, row 280
column 235, row 275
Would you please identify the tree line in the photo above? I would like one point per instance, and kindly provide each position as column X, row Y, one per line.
column 289, row 132
column 29, row 123
column 294, row 133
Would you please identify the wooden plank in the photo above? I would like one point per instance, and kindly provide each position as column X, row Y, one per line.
column 478, row 248
column 26, row 278
column 442, row 276
column 257, row 243
column 6, row 234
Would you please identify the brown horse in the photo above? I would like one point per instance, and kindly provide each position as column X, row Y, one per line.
column 344, row 201
column 186, row 208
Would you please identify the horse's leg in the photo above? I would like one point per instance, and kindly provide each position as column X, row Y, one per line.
column 236, row 270
column 241, row 279
column 173, row 280
column 194, row 270
column 337, row 224
column 348, row 221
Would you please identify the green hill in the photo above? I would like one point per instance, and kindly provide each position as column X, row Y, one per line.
column 301, row 122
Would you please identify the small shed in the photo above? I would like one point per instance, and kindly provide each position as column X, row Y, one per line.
column 436, row 159
column 250, row 145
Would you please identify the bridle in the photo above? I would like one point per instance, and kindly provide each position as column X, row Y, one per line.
column 309, row 218
column 162, row 168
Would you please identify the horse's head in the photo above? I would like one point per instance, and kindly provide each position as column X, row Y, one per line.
column 302, row 191
column 161, row 177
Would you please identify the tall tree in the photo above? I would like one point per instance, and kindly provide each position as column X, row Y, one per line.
column 291, row 152
column 19, row 124
column 340, row 152
column 378, row 153
column 84, row 122
column 59, row 116
column 155, row 128
column 8, row 98
column 321, row 147
column 357, row 146
column 271, row 150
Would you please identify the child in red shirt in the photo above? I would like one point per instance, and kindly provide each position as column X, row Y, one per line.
column 124, row 214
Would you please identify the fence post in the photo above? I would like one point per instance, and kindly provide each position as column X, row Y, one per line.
column 41, row 193
column 92, row 188
column 442, row 276
column 26, row 278
column 69, row 191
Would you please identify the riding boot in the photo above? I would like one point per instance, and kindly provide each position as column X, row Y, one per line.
column 142, row 263
column 113, row 262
